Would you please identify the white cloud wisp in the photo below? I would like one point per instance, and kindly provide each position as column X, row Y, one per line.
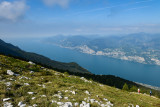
column 12, row 10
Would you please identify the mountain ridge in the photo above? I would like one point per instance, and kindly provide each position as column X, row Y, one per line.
column 11, row 50
column 139, row 47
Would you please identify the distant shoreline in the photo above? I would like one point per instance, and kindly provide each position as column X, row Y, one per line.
column 81, row 51
column 149, row 86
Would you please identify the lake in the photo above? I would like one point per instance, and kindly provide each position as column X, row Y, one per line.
column 148, row 74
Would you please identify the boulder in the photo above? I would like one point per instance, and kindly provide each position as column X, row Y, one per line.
column 76, row 104
column 30, row 62
column 92, row 100
column 7, row 104
column 6, row 99
column 9, row 72
column 30, row 92
column 8, row 83
column 26, row 84
column 60, row 103
column 67, row 104
column 34, row 105
column 33, row 98
column 87, row 92
column 73, row 92
column 66, row 98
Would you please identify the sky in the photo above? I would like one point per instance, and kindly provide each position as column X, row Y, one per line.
column 43, row 18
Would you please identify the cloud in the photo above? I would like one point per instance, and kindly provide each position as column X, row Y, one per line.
column 62, row 3
column 114, row 6
column 12, row 10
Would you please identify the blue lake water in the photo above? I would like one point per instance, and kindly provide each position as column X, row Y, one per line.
column 148, row 74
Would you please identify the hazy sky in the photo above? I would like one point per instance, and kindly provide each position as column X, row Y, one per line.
column 40, row 18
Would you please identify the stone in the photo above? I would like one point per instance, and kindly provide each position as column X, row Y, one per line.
column 6, row 99
column 33, row 98
column 31, row 72
column 66, row 98
column 23, row 77
column 109, row 103
column 105, row 99
column 92, row 100
column 73, row 92
column 76, row 104
column 9, row 72
column 137, row 105
column 43, row 96
column 7, row 104
column 34, row 105
column 8, row 83
column 53, row 101
column 60, row 103
column 44, row 86
column 30, row 92
column 102, row 105
column 87, row 92
column 23, row 105
column 30, row 62
column 67, row 104
column 84, row 104
column 26, row 84
column 20, row 103
column 66, row 91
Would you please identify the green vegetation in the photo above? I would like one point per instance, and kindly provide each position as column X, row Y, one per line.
column 49, row 87
column 125, row 87
column 11, row 50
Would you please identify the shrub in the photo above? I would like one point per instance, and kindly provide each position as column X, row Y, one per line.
column 125, row 87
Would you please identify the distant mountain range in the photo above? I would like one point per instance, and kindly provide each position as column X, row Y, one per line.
column 139, row 47
column 11, row 50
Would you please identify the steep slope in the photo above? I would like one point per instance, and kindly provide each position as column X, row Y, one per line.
column 28, row 84
column 9, row 49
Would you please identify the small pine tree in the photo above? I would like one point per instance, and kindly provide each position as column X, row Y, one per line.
column 125, row 87
column 133, row 89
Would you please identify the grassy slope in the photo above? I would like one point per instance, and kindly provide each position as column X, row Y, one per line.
column 48, row 82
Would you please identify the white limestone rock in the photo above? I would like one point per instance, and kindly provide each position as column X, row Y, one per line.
column 9, row 72
column 43, row 96
column 20, row 103
column 8, row 84
column 6, row 99
column 7, row 104
column 30, row 92
column 87, row 92
column 67, row 104
column 26, row 84
column 92, row 100
column 35, row 105
column 33, row 98
column 105, row 99
column 60, row 103
column 76, row 104
column 31, row 72
column 66, row 98
column 30, row 62
column 73, row 92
